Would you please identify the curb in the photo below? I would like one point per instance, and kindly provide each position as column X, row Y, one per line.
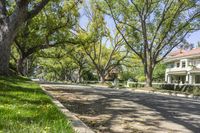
column 77, row 124
column 192, row 97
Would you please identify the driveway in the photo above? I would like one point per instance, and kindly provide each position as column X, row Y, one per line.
column 119, row 111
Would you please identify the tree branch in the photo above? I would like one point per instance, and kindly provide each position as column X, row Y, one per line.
column 169, row 50
column 163, row 19
column 37, row 9
column 126, row 41
column 158, row 48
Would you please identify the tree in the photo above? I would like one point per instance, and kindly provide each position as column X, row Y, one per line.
column 103, row 49
column 78, row 56
column 10, row 21
column 132, row 69
column 53, row 65
column 152, row 28
column 62, row 63
column 45, row 31
column 159, row 72
column 105, row 59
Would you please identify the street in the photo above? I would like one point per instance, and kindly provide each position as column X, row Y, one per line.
column 108, row 110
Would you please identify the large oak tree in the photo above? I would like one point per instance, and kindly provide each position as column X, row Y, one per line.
column 12, row 15
column 45, row 31
column 152, row 28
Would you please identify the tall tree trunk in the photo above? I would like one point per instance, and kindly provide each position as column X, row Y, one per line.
column 5, row 49
column 79, row 75
column 9, row 25
column 102, row 78
column 149, row 78
column 148, row 71
column 8, row 32
column 20, row 66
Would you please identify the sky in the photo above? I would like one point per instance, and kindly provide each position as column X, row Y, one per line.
column 194, row 38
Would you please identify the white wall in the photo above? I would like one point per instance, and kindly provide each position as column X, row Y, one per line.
column 180, row 68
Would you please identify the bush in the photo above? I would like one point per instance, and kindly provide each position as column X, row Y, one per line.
column 187, row 89
column 136, row 84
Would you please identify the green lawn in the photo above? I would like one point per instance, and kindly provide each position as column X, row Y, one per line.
column 25, row 108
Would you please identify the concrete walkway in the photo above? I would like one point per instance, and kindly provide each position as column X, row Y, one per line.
column 117, row 111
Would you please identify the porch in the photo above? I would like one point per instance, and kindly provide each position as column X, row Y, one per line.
column 183, row 77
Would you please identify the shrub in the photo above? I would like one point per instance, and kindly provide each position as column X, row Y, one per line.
column 183, row 88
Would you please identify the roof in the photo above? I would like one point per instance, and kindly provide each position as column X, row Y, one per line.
column 184, row 72
column 177, row 72
column 177, row 52
column 184, row 53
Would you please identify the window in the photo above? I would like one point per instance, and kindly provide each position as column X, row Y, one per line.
column 170, row 65
column 197, row 62
column 197, row 79
column 183, row 64
column 191, row 63
column 177, row 64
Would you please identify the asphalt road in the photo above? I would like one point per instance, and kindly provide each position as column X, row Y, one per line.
column 119, row 111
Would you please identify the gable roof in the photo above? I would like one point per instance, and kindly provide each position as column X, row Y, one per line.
column 177, row 52
column 184, row 53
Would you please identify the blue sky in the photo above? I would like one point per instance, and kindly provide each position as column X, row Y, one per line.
column 194, row 37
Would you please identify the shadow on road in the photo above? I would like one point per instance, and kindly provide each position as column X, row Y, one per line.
column 108, row 110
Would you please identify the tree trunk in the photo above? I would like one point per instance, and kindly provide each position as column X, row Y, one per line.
column 148, row 70
column 5, row 49
column 79, row 75
column 8, row 31
column 9, row 26
column 7, row 34
column 20, row 66
column 102, row 78
column 149, row 80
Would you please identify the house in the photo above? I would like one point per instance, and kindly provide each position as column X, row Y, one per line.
column 183, row 67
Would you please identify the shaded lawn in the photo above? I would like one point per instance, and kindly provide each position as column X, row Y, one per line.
column 24, row 107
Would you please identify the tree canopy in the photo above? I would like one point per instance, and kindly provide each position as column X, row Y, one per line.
column 48, row 38
column 152, row 28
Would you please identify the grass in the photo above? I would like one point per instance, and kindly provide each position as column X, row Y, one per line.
column 25, row 108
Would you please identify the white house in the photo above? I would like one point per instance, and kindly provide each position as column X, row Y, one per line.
column 183, row 67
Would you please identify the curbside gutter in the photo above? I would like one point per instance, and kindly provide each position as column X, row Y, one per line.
column 167, row 93
column 77, row 124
